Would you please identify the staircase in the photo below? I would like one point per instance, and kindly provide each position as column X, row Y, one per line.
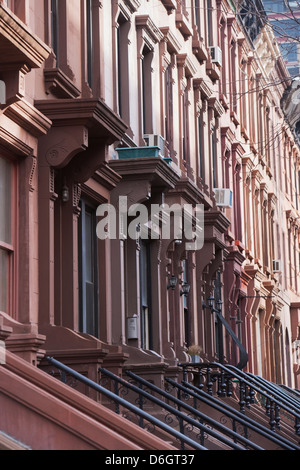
column 214, row 407
column 39, row 412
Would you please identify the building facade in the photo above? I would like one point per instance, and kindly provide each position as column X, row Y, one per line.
column 284, row 17
column 147, row 103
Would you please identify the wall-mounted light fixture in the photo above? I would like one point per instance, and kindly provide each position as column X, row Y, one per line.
column 211, row 304
column 172, row 282
column 65, row 195
column 185, row 290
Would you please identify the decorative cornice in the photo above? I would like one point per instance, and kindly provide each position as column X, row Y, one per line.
column 185, row 61
column 170, row 5
column 154, row 169
column 11, row 142
column 106, row 176
column 98, row 118
column 59, row 84
column 28, row 117
column 133, row 5
column 189, row 191
column 18, row 45
column 214, row 103
column 200, row 83
column 217, row 219
column 173, row 44
column 145, row 22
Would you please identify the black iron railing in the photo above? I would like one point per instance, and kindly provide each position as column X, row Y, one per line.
column 224, row 379
column 180, row 417
column 185, row 422
column 184, row 440
column 236, row 417
column 277, row 391
column 186, row 414
column 275, row 399
column 290, row 391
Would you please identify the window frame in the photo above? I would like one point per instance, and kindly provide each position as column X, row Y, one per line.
column 146, row 310
column 83, row 320
column 10, row 248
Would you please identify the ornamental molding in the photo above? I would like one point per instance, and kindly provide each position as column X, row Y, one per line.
column 18, row 45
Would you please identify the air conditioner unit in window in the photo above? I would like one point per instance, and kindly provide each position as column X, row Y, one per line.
column 276, row 266
column 155, row 140
column 223, row 197
column 216, row 55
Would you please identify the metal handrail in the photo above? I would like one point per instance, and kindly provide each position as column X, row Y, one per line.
column 242, row 377
column 197, row 413
column 243, row 352
column 233, row 414
column 281, row 394
column 293, row 391
column 261, row 382
column 126, row 404
column 174, row 411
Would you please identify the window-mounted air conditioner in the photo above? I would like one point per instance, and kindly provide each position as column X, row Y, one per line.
column 216, row 55
column 223, row 197
column 155, row 140
column 276, row 266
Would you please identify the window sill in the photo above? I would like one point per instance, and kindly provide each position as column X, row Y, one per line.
column 59, row 84
column 169, row 5
column 213, row 71
column 199, row 50
column 183, row 25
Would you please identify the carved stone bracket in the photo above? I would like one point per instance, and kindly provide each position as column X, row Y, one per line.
column 67, row 142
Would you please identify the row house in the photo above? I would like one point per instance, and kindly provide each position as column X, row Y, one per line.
column 110, row 108
column 267, row 308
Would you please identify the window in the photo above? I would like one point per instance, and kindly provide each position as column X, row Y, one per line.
column 168, row 106
column 185, row 129
column 210, row 40
column 9, row 4
column 89, row 41
column 123, row 68
column 186, row 313
column 200, row 145
column 197, row 15
column 218, row 324
column 54, row 27
column 289, row 51
column 274, row 6
column 214, row 156
column 259, row 342
column 88, row 271
column 145, row 290
column 147, row 90
column 6, row 236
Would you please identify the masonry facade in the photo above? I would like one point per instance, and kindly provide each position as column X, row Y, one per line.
column 90, row 89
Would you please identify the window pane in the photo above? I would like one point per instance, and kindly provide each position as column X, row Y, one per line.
column 5, row 201
column 89, row 261
column 5, row 281
column 88, row 278
column 54, row 27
